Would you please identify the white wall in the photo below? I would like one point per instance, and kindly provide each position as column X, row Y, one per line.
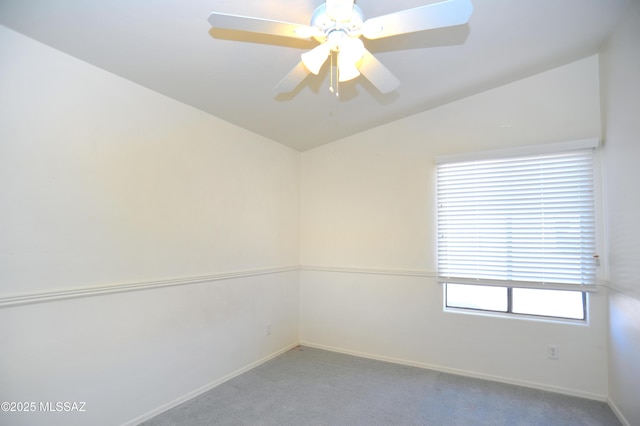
column 367, row 204
column 621, row 121
column 104, row 183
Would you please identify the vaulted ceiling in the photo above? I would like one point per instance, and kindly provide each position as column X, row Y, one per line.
column 169, row 47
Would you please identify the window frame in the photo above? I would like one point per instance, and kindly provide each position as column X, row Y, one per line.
column 509, row 311
column 584, row 289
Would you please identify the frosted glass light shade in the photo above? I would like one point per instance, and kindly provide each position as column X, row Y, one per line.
column 315, row 58
column 351, row 51
column 347, row 71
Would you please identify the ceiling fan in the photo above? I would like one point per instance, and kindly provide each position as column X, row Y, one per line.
column 339, row 25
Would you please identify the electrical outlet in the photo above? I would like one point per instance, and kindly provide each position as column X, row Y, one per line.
column 268, row 329
column 553, row 352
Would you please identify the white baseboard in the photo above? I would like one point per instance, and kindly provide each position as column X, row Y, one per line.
column 618, row 413
column 467, row 373
column 393, row 360
column 207, row 387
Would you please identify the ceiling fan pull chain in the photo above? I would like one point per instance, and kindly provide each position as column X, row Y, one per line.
column 331, row 74
column 337, row 76
column 331, row 89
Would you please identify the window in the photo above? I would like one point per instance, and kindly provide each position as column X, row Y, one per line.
column 516, row 234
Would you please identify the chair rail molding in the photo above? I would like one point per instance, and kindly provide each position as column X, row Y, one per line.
column 90, row 291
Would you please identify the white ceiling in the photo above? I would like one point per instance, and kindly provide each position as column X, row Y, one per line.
column 168, row 46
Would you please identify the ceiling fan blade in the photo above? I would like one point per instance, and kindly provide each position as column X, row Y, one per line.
column 293, row 79
column 227, row 21
column 430, row 16
column 378, row 74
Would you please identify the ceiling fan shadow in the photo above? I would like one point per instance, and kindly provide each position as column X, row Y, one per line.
column 439, row 37
column 350, row 90
column 315, row 84
column 379, row 97
column 260, row 38
column 346, row 91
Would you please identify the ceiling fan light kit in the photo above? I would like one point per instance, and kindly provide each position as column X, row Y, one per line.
column 338, row 26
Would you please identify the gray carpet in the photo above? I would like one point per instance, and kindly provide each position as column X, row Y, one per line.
column 308, row 386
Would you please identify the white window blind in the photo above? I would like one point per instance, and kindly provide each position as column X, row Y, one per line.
column 524, row 221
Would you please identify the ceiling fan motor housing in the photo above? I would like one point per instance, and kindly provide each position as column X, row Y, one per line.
column 327, row 25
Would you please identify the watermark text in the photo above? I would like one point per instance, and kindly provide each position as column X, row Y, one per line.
column 48, row 406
